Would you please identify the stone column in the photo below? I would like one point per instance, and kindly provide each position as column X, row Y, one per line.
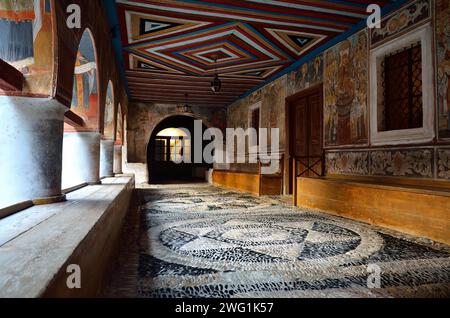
column 106, row 158
column 31, row 139
column 117, row 159
column 81, row 158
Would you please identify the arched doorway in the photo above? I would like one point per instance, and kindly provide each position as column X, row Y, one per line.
column 173, row 141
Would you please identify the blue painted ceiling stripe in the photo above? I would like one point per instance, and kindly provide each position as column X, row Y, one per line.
column 219, row 5
column 311, row 7
column 113, row 21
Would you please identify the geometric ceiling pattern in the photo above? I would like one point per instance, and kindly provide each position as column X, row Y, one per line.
column 173, row 47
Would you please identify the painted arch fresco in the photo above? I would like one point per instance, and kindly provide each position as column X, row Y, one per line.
column 26, row 41
column 85, row 94
column 119, row 125
column 108, row 131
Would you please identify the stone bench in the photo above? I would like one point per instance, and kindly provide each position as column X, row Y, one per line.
column 38, row 243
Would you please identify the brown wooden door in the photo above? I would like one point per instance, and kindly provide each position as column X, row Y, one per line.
column 305, row 127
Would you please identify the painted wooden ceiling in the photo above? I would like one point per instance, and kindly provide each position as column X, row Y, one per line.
column 173, row 47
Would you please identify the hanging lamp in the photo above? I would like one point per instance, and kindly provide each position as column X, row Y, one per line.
column 216, row 83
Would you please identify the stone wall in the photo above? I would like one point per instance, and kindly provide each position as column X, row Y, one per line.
column 143, row 118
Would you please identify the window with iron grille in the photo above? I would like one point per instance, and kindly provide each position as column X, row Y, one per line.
column 402, row 80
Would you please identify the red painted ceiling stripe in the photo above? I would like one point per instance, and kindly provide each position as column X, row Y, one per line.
column 204, row 10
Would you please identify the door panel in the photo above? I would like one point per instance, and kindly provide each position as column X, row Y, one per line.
column 301, row 127
column 306, row 134
column 315, row 129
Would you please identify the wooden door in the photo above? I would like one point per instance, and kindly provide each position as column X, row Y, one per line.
column 305, row 129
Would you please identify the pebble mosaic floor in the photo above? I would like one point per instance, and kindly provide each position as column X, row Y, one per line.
column 201, row 241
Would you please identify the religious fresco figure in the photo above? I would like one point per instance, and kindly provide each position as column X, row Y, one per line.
column 109, row 113
column 272, row 103
column 318, row 70
column 84, row 92
column 84, row 82
column 26, row 42
column 330, row 111
column 345, row 89
column 443, row 65
column 119, row 130
column 358, row 116
column 307, row 75
column 16, row 38
column 345, row 92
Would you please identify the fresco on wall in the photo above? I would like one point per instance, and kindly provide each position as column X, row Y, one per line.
column 16, row 38
column 272, row 97
column 143, row 118
column 26, row 42
column 400, row 22
column 345, row 90
column 273, row 103
column 347, row 162
column 443, row 170
column 119, row 130
column 84, row 94
column 273, row 108
column 309, row 74
column 443, row 66
column 237, row 113
column 84, row 85
column 109, row 113
column 410, row 163
column 218, row 119
column 255, row 97
column 417, row 163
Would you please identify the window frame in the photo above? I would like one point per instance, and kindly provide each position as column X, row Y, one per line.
column 251, row 109
column 426, row 133
column 396, row 70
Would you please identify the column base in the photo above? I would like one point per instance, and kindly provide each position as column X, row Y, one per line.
column 49, row 200
column 117, row 159
column 31, row 140
column 106, row 158
column 95, row 182
column 81, row 158
column 110, row 176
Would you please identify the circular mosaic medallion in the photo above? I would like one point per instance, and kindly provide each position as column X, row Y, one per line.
column 282, row 241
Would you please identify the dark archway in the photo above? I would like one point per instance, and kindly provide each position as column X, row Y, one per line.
column 161, row 150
